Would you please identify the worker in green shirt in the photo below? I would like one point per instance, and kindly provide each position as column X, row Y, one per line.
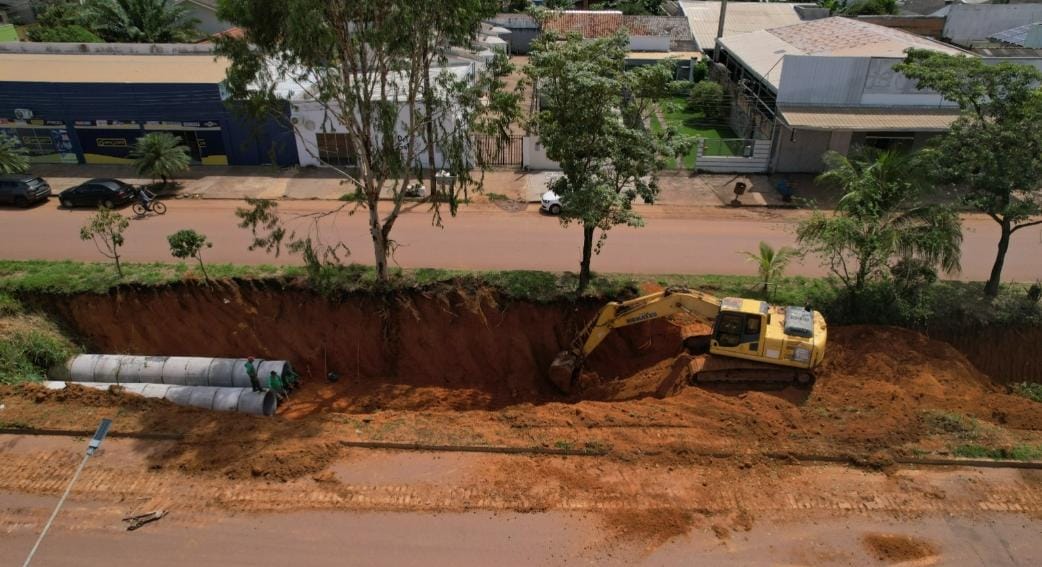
column 275, row 384
column 251, row 371
column 291, row 379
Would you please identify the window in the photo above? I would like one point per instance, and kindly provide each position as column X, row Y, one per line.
column 335, row 149
column 900, row 141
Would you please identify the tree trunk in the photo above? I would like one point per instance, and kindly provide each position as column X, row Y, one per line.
column 379, row 243
column 203, row 268
column 115, row 256
column 584, row 264
column 992, row 287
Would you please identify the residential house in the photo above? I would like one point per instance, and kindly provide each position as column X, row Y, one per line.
column 206, row 12
column 651, row 38
column 973, row 25
column 829, row 84
column 741, row 17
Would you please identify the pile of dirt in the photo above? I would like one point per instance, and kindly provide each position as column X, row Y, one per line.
column 896, row 548
column 650, row 527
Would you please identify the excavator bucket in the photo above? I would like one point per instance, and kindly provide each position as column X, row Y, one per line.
column 563, row 370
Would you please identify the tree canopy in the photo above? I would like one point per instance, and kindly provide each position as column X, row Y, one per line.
column 592, row 120
column 992, row 152
column 373, row 68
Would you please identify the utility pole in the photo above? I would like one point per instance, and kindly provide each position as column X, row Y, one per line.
column 719, row 31
column 95, row 442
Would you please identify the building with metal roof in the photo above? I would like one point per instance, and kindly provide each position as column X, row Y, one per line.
column 91, row 108
column 741, row 17
column 829, row 84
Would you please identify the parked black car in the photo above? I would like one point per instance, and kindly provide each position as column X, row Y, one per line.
column 23, row 190
column 98, row 192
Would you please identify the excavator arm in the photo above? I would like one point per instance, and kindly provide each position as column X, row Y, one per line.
column 567, row 364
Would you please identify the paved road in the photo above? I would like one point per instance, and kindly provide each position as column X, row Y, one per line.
column 487, row 238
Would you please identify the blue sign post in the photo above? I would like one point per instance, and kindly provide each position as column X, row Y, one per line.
column 95, row 442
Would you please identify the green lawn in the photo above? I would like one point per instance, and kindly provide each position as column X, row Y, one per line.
column 689, row 123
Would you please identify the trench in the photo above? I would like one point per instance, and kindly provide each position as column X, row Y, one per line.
column 451, row 348
column 463, row 348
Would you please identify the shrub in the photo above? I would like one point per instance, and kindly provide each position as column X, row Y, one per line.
column 26, row 355
column 707, row 97
column 63, row 34
column 1029, row 390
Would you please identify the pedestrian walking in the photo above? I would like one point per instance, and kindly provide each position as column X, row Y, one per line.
column 275, row 384
column 251, row 371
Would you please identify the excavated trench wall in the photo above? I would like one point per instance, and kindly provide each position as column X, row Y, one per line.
column 488, row 350
column 447, row 348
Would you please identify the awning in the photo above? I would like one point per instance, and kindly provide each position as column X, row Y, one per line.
column 869, row 119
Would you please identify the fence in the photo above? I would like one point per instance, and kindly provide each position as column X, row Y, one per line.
column 733, row 156
column 493, row 151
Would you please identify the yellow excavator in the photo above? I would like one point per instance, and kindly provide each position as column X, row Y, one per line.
column 752, row 341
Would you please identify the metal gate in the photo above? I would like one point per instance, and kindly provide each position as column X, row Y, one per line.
column 493, row 151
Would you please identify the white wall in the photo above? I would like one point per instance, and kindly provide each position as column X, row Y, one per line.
column 649, row 43
column 535, row 156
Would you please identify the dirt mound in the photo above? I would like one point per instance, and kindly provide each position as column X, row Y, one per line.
column 896, row 548
column 652, row 527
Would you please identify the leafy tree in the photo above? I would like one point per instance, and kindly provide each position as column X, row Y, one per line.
column 593, row 124
column 269, row 231
column 188, row 243
column 373, row 81
column 870, row 8
column 633, row 7
column 559, row 4
column 65, row 13
column 708, row 98
column 880, row 220
column 63, row 34
column 13, row 157
column 771, row 263
column 105, row 228
column 993, row 149
column 160, row 154
column 143, row 21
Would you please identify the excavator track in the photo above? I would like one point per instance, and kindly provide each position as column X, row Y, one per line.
column 709, row 369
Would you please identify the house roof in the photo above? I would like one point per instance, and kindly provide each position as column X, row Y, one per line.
column 76, row 68
column 742, row 17
column 763, row 51
column 1016, row 36
column 861, row 119
column 595, row 24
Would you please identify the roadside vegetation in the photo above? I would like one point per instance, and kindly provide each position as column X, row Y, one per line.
column 954, row 303
column 117, row 21
column 29, row 343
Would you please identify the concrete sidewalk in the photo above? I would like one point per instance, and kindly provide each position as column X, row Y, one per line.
column 238, row 182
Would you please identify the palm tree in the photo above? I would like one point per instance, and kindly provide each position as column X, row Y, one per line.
column 160, row 154
column 13, row 157
column 771, row 263
column 143, row 21
column 881, row 218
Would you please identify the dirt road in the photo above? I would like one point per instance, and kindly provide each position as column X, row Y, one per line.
column 392, row 508
column 699, row 240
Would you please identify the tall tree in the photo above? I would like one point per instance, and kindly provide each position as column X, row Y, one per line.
column 592, row 120
column 372, row 66
column 13, row 156
column 881, row 220
column 993, row 150
column 142, row 21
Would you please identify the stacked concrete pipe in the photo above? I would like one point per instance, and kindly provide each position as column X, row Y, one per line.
column 212, row 383
column 242, row 400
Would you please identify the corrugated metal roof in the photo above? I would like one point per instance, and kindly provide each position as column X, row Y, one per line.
column 762, row 51
column 861, row 119
column 742, row 17
column 1017, row 36
column 74, row 68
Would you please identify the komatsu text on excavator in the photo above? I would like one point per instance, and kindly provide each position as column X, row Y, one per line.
column 752, row 341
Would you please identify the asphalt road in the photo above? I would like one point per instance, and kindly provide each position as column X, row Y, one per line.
column 487, row 238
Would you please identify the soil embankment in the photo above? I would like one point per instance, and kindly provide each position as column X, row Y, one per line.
column 453, row 349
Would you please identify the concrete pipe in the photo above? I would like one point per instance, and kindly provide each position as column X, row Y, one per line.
column 242, row 400
column 172, row 370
